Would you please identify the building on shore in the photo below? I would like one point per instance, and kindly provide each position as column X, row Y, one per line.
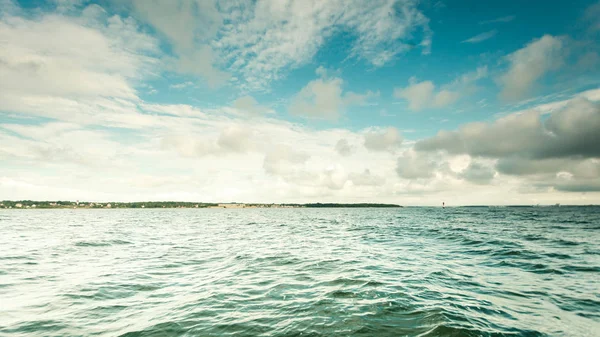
column 231, row 205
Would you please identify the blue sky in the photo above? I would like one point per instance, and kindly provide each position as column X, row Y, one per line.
column 273, row 101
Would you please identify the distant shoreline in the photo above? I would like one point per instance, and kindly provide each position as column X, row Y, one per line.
column 31, row 204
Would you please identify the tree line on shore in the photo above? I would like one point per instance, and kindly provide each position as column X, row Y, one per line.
column 175, row 204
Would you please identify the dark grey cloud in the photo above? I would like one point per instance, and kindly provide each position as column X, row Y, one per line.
column 567, row 183
column 578, row 186
column 478, row 173
column 560, row 151
column 573, row 131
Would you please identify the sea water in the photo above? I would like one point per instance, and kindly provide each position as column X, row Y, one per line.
column 514, row 271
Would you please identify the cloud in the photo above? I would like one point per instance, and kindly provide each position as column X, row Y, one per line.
column 559, row 174
column 263, row 40
column 366, row 178
column 382, row 139
column 57, row 144
column 352, row 98
column 571, row 131
column 481, row 37
column 234, row 139
column 189, row 27
column 478, row 173
column 284, row 160
column 82, row 68
column 67, row 5
column 529, row 64
column 63, row 56
column 182, row 85
column 422, row 95
column 502, row 19
column 320, row 98
column 414, row 165
column 580, row 168
column 344, row 148
column 230, row 139
column 528, row 144
column 591, row 15
column 588, row 61
column 324, row 98
column 75, row 127
column 469, row 78
column 249, row 106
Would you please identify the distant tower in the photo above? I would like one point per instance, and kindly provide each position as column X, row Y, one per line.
column 443, row 204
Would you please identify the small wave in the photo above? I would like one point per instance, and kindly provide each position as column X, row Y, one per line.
column 564, row 242
column 581, row 269
column 534, row 237
column 558, row 256
column 101, row 243
column 35, row 326
column 466, row 272
column 514, row 253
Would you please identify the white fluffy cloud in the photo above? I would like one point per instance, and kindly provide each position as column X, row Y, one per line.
column 320, row 98
column 529, row 64
column 413, row 165
column 424, row 95
column 76, row 127
column 65, row 57
column 81, row 69
column 324, row 98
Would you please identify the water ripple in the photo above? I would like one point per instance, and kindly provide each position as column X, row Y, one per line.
column 301, row 272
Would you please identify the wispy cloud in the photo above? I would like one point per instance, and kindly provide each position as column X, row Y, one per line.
column 529, row 64
column 481, row 37
column 181, row 85
column 259, row 42
column 499, row 20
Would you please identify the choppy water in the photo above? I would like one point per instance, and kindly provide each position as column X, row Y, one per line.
column 301, row 272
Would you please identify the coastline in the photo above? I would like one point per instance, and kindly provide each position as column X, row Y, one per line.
column 31, row 204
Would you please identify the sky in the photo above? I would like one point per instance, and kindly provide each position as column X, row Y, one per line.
column 396, row 101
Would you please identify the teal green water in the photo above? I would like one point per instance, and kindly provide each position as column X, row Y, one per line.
column 301, row 272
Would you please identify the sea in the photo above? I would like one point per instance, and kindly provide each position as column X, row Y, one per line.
column 412, row 271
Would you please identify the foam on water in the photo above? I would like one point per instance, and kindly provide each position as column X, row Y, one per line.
column 301, row 272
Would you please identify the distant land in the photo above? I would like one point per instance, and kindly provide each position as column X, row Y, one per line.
column 31, row 204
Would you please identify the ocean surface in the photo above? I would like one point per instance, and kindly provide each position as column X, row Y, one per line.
column 527, row 271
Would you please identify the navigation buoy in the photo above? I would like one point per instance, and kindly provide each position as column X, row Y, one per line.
column 443, row 204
